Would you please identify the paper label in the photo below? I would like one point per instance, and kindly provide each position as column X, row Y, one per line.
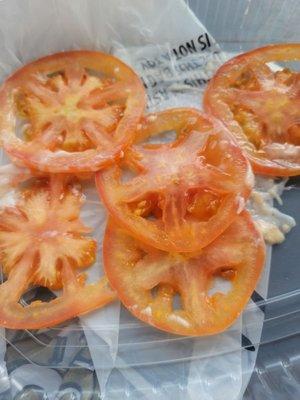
column 169, row 72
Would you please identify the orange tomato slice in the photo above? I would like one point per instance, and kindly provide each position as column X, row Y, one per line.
column 43, row 242
column 77, row 111
column 183, row 194
column 261, row 107
column 147, row 280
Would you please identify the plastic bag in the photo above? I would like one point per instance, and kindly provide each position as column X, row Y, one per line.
column 175, row 56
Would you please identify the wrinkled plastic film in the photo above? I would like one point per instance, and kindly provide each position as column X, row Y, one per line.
column 175, row 66
column 111, row 351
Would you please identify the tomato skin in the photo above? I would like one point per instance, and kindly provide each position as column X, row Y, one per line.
column 170, row 174
column 39, row 315
column 134, row 270
column 263, row 162
column 34, row 154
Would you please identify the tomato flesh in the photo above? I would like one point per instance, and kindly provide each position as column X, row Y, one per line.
column 78, row 111
column 147, row 279
column 261, row 107
column 182, row 194
column 43, row 242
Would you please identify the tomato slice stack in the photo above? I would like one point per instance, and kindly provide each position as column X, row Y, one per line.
column 178, row 224
column 175, row 184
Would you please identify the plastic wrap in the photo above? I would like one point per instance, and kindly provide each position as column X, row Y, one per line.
column 108, row 353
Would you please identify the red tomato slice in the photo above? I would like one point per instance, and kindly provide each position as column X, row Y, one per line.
column 43, row 242
column 79, row 110
column 184, row 193
column 147, row 279
column 261, row 107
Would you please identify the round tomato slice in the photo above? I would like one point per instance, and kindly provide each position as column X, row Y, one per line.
column 43, row 242
column 261, row 107
column 147, row 280
column 77, row 111
column 183, row 194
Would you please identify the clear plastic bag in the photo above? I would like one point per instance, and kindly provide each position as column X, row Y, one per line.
column 108, row 353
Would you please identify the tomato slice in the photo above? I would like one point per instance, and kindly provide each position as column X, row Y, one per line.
column 261, row 107
column 183, row 193
column 11, row 175
column 43, row 242
column 78, row 110
column 147, row 279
